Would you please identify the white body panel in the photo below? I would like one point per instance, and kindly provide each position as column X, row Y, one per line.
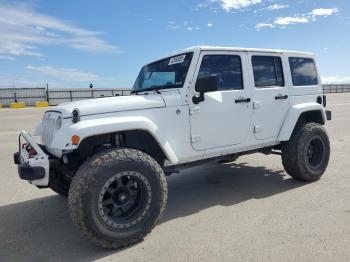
column 110, row 105
column 218, row 121
column 269, row 112
column 293, row 115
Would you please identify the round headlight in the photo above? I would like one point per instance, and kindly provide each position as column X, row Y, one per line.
column 75, row 116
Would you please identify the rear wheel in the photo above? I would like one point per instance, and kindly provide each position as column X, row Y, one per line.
column 305, row 156
column 117, row 197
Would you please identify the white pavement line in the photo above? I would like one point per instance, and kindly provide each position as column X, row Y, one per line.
column 344, row 104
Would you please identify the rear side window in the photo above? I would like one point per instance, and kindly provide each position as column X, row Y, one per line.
column 228, row 68
column 268, row 71
column 304, row 71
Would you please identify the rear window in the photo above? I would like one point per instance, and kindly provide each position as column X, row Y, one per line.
column 268, row 71
column 303, row 71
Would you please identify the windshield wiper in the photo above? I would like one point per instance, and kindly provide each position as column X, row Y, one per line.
column 156, row 88
column 136, row 92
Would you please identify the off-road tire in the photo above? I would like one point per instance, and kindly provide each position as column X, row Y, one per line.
column 295, row 152
column 60, row 184
column 90, row 180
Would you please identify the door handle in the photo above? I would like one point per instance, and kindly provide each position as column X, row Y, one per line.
column 242, row 100
column 280, row 97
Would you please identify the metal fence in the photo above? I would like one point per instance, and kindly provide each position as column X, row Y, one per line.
column 27, row 95
column 55, row 96
column 336, row 88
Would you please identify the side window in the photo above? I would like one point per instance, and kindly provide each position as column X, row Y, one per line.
column 228, row 68
column 304, row 71
column 268, row 71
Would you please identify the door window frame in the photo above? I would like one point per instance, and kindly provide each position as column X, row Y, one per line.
column 231, row 55
column 245, row 72
column 284, row 73
column 275, row 71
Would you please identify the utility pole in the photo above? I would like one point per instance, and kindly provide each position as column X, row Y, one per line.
column 92, row 91
column 47, row 93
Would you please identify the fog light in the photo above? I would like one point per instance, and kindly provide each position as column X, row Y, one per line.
column 75, row 139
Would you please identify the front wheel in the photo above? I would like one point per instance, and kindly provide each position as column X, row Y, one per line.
column 60, row 183
column 305, row 156
column 117, row 197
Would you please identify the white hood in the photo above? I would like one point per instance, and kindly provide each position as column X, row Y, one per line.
column 111, row 104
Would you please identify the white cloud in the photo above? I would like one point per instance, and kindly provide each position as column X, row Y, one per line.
column 277, row 6
column 228, row 5
column 324, row 11
column 6, row 57
column 186, row 25
column 67, row 74
column 336, row 80
column 11, row 81
column 23, row 31
column 312, row 16
column 209, row 24
column 263, row 25
column 291, row 20
column 171, row 25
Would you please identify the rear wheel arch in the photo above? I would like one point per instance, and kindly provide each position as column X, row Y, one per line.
column 297, row 116
column 314, row 116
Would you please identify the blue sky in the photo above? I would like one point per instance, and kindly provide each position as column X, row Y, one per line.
column 72, row 43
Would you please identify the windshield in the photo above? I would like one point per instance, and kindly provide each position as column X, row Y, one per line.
column 166, row 73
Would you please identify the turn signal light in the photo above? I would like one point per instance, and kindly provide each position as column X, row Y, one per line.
column 75, row 139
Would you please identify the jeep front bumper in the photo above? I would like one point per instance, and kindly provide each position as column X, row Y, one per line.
column 33, row 163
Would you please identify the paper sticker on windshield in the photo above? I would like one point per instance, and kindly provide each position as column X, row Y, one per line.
column 177, row 60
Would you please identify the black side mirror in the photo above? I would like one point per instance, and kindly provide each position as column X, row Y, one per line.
column 205, row 85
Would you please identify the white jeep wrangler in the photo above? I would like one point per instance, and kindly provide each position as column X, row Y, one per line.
column 111, row 155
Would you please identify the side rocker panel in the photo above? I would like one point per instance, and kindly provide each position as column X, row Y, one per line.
column 293, row 116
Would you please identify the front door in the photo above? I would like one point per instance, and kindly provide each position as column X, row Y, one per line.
column 224, row 117
column 271, row 100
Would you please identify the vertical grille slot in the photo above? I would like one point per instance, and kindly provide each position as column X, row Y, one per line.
column 50, row 126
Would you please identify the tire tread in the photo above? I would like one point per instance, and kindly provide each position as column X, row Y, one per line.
column 80, row 183
column 292, row 149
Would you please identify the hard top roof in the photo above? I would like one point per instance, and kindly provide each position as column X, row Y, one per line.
column 242, row 49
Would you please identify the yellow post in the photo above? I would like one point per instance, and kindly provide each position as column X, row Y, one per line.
column 41, row 104
column 0, row 105
column 17, row 105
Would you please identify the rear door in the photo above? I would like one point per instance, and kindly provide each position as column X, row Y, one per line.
column 271, row 97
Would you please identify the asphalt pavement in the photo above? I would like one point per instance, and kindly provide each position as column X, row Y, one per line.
column 250, row 210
